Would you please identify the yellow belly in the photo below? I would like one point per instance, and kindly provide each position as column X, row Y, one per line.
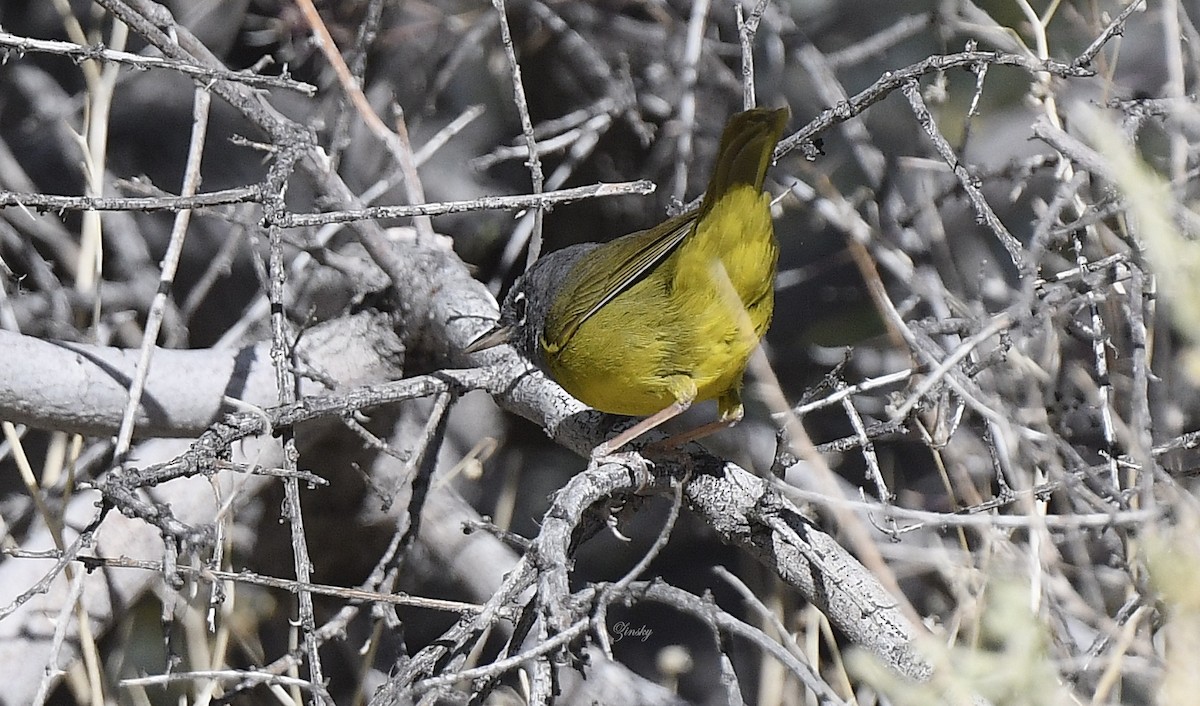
column 686, row 328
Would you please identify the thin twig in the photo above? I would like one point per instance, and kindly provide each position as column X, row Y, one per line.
column 282, row 357
column 61, row 623
column 912, row 91
column 48, row 202
column 255, row 676
column 1114, row 28
column 169, row 266
column 412, row 180
column 747, row 28
column 999, row 323
column 535, row 162
column 100, row 53
column 485, row 203
column 687, row 104
column 390, row 140
column 884, row 86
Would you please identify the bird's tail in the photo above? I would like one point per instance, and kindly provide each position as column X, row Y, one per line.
column 745, row 153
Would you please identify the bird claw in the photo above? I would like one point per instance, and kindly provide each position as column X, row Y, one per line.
column 615, row 508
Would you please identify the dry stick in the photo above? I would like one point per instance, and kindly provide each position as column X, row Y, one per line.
column 801, row 445
column 810, row 677
column 981, row 72
column 868, row 450
column 845, row 391
column 884, row 86
column 543, row 677
column 747, row 28
column 256, row 579
column 687, row 104
column 541, row 648
column 303, row 259
column 413, row 190
column 301, row 220
column 582, row 140
column 846, row 443
column 1037, row 24
column 1100, row 347
column 443, row 136
column 1074, row 149
column 1176, row 85
column 709, row 612
column 999, row 323
column 535, row 162
column 419, row 468
column 67, row 556
column 979, row 517
column 1140, row 300
column 256, row 676
column 282, row 358
column 599, row 622
column 169, row 266
column 356, row 59
column 553, row 135
column 100, row 84
column 390, row 140
column 912, row 91
column 100, row 53
column 728, row 678
column 870, row 158
column 60, row 634
column 50, row 202
column 1114, row 28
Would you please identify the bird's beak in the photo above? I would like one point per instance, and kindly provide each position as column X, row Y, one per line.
column 490, row 339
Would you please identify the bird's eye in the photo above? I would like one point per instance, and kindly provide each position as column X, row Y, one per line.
column 518, row 305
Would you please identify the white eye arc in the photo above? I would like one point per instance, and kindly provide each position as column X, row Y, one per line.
column 519, row 308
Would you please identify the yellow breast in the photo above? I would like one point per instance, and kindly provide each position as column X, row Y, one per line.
column 688, row 327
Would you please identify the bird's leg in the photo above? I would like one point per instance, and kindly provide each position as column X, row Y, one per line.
column 684, row 389
column 633, row 432
column 730, row 405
